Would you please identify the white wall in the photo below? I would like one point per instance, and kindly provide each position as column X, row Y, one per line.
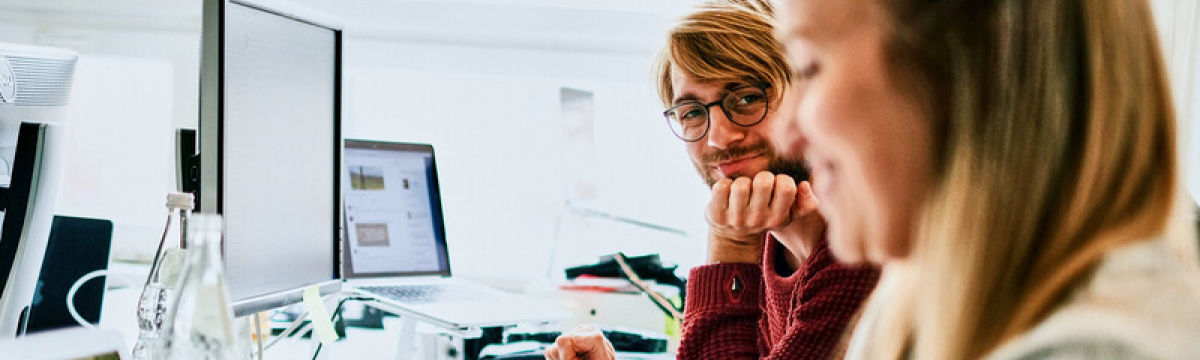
column 503, row 178
column 479, row 80
column 485, row 91
column 1179, row 31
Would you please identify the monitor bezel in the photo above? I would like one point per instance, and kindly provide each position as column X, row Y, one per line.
column 212, row 96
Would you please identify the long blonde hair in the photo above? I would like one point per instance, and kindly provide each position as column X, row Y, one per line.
column 1054, row 143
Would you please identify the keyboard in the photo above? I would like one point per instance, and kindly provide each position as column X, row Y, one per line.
column 431, row 293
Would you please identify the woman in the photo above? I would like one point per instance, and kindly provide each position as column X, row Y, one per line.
column 1010, row 162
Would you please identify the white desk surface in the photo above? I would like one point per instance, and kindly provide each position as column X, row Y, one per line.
column 611, row 309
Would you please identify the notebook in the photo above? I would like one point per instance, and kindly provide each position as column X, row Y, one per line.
column 395, row 248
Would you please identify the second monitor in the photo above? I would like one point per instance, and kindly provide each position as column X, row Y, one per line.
column 270, row 147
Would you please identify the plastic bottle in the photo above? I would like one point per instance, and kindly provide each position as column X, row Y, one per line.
column 163, row 278
column 200, row 326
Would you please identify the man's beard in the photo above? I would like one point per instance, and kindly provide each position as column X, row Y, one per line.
column 795, row 167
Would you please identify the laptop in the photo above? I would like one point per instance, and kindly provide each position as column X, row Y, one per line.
column 395, row 248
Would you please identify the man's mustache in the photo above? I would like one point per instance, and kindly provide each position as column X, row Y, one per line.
column 734, row 153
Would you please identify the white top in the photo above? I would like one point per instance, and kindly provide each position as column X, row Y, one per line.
column 1140, row 304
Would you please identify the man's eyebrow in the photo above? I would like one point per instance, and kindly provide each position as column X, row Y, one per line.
column 734, row 85
column 685, row 98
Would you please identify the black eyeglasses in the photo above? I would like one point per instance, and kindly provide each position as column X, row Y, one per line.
column 745, row 106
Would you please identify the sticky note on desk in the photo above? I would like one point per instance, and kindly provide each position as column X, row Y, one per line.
column 319, row 315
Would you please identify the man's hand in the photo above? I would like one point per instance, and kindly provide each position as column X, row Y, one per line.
column 584, row 343
column 807, row 225
column 742, row 210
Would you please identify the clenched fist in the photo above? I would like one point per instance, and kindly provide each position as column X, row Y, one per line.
column 742, row 210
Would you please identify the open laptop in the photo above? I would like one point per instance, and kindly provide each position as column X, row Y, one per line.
column 395, row 248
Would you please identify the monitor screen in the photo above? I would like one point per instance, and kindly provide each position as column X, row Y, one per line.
column 394, row 222
column 270, row 138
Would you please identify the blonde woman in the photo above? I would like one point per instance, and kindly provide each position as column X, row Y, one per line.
column 1011, row 163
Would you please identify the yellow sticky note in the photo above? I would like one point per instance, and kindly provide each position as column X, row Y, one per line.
column 319, row 315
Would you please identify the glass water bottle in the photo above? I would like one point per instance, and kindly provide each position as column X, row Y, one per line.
column 200, row 326
column 160, row 285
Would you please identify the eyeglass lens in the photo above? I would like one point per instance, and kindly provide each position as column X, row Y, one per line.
column 744, row 106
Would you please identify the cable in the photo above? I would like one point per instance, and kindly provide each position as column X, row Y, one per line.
column 337, row 311
column 662, row 302
column 300, row 326
column 286, row 333
column 154, row 265
column 7, row 166
column 79, row 283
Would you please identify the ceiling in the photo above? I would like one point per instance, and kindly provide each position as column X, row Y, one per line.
column 612, row 25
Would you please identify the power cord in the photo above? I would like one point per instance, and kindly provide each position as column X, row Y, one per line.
column 298, row 325
column 337, row 311
column 663, row 304
column 84, row 279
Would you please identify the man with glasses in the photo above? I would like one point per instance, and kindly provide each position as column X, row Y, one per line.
column 771, row 288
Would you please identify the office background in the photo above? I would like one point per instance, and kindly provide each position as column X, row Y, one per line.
column 483, row 81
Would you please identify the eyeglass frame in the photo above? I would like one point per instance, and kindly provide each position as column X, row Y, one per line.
column 708, row 114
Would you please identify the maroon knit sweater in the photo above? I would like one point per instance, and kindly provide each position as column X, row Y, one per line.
column 772, row 315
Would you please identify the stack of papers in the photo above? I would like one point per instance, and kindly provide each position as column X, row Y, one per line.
column 602, row 284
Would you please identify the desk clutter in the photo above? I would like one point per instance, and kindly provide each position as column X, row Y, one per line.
column 620, row 273
column 516, row 341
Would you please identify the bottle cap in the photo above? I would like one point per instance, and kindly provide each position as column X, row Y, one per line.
column 182, row 201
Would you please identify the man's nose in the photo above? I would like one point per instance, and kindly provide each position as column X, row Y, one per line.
column 722, row 132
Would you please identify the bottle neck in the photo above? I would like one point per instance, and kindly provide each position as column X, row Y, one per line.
column 204, row 240
column 205, row 249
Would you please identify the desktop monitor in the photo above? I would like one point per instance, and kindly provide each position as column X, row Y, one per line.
column 35, row 84
column 270, row 147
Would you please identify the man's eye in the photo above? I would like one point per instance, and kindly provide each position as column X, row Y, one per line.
column 750, row 99
column 692, row 114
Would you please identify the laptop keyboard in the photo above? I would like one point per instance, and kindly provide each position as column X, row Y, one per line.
column 431, row 293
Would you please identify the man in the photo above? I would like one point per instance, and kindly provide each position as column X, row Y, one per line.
column 771, row 288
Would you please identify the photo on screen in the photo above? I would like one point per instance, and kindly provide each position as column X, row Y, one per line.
column 366, row 178
column 372, row 235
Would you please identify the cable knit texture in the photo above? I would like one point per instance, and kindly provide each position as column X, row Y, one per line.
column 772, row 314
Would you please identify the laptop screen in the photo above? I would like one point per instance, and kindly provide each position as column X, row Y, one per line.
column 393, row 211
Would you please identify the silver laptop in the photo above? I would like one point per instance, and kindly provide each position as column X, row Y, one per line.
column 395, row 248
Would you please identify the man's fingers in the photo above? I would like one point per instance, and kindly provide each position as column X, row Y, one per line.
column 739, row 197
column 806, row 201
column 585, row 342
column 552, row 352
column 785, row 192
column 563, row 349
column 760, row 199
column 719, row 204
column 589, row 341
column 782, row 199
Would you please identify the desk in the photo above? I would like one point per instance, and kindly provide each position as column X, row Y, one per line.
column 608, row 309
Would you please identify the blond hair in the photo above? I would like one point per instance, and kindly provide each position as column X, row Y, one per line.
column 725, row 40
column 1054, row 143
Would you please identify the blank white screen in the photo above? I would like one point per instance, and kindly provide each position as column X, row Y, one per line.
column 278, row 153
